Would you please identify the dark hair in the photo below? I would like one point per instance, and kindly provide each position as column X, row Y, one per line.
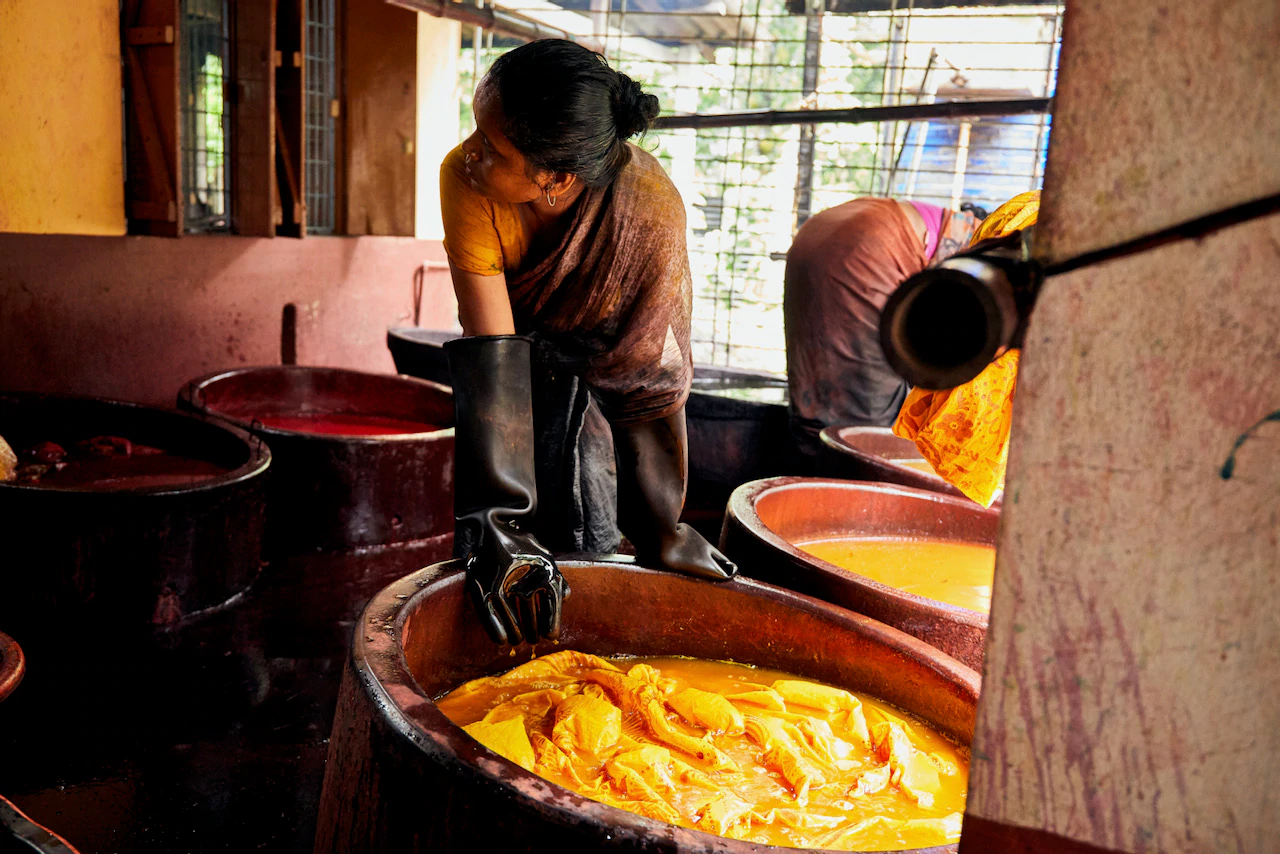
column 567, row 111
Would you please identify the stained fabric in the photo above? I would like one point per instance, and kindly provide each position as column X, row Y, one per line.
column 671, row 740
column 964, row 432
column 842, row 268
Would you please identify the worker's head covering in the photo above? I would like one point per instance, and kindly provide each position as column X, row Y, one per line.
column 964, row 432
column 1019, row 212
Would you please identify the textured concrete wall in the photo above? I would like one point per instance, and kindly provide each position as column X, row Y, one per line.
column 1130, row 688
column 1164, row 112
column 135, row 317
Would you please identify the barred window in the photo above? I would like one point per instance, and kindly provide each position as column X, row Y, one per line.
column 205, row 60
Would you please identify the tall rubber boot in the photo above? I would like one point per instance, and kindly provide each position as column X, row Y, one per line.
column 653, row 471
column 512, row 580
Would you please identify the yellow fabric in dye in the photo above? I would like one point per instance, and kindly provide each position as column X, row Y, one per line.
column 964, row 432
column 677, row 740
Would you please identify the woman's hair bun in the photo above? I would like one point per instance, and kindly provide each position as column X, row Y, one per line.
column 634, row 109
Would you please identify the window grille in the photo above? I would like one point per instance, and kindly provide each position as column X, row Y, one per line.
column 206, row 49
column 747, row 189
column 322, row 117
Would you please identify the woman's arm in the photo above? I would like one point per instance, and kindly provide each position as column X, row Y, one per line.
column 483, row 305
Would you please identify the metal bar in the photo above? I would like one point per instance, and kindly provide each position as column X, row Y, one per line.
column 501, row 22
column 859, row 115
column 812, row 60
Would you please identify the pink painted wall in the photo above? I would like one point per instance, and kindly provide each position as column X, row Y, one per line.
column 136, row 317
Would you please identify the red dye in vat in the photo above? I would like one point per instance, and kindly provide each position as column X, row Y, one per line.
column 345, row 424
column 107, row 463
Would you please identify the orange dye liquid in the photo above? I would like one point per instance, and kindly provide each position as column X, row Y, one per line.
column 789, row 775
column 955, row 573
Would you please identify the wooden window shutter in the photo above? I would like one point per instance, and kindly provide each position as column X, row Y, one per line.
column 290, row 117
column 153, row 173
column 254, row 130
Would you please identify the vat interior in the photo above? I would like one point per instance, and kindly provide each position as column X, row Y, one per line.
column 623, row 610
column 803, row 512
column 261, row 392
column 26, row 420
column 880, row 442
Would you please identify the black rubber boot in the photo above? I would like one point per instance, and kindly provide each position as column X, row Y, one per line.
column 512, row 580
column 653, row 470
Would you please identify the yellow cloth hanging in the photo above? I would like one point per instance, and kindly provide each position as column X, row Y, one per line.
column 964, row 432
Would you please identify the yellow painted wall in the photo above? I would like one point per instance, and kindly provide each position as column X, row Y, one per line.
column 61, row 160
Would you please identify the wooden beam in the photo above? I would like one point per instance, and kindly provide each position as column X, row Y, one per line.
column 254, row 125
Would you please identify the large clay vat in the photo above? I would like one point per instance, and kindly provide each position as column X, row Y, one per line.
column 875, row 453
column 766, row 517
column 127, row 559
column 402, row 777
column 335, row 492
column 13, row 665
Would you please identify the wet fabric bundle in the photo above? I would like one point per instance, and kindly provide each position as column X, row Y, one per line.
column 721, row 747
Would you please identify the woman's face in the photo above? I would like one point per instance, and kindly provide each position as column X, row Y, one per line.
column 497, row 171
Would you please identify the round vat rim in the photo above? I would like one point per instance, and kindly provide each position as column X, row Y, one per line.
column 13, row 665
column 257, row 464
column 377, row 653
column 742, row 506
column 831, row 438
column 187, row 393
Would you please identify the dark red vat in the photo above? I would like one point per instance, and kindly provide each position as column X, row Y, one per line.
column 767, row 516
column 402, row 777
column 875, row 453
column 127, row 559
column 13, row 665
column 332, row 491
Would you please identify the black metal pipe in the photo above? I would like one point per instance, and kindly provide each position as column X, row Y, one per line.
column 859, row 115
column 945, row 324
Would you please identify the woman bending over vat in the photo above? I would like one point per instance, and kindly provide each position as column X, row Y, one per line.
column 567, row 249
column 842, row 268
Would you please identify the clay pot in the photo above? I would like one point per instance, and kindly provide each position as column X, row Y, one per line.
column 402, row 777
column 419, row 352
column 737, row 432
column 767, row 516
column 335, row 492
column 13, row 665
column 127, row 560
column 875, row 453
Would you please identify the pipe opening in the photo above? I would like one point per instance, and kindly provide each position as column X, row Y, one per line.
column 945, row 325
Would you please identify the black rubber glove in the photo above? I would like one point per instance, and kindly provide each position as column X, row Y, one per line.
column 653, row 469
column 515, row 586
column 512, row 580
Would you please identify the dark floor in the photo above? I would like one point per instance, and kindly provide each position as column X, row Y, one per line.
column 213, row 739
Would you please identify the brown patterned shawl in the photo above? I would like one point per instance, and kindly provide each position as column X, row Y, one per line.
column 614, row 299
